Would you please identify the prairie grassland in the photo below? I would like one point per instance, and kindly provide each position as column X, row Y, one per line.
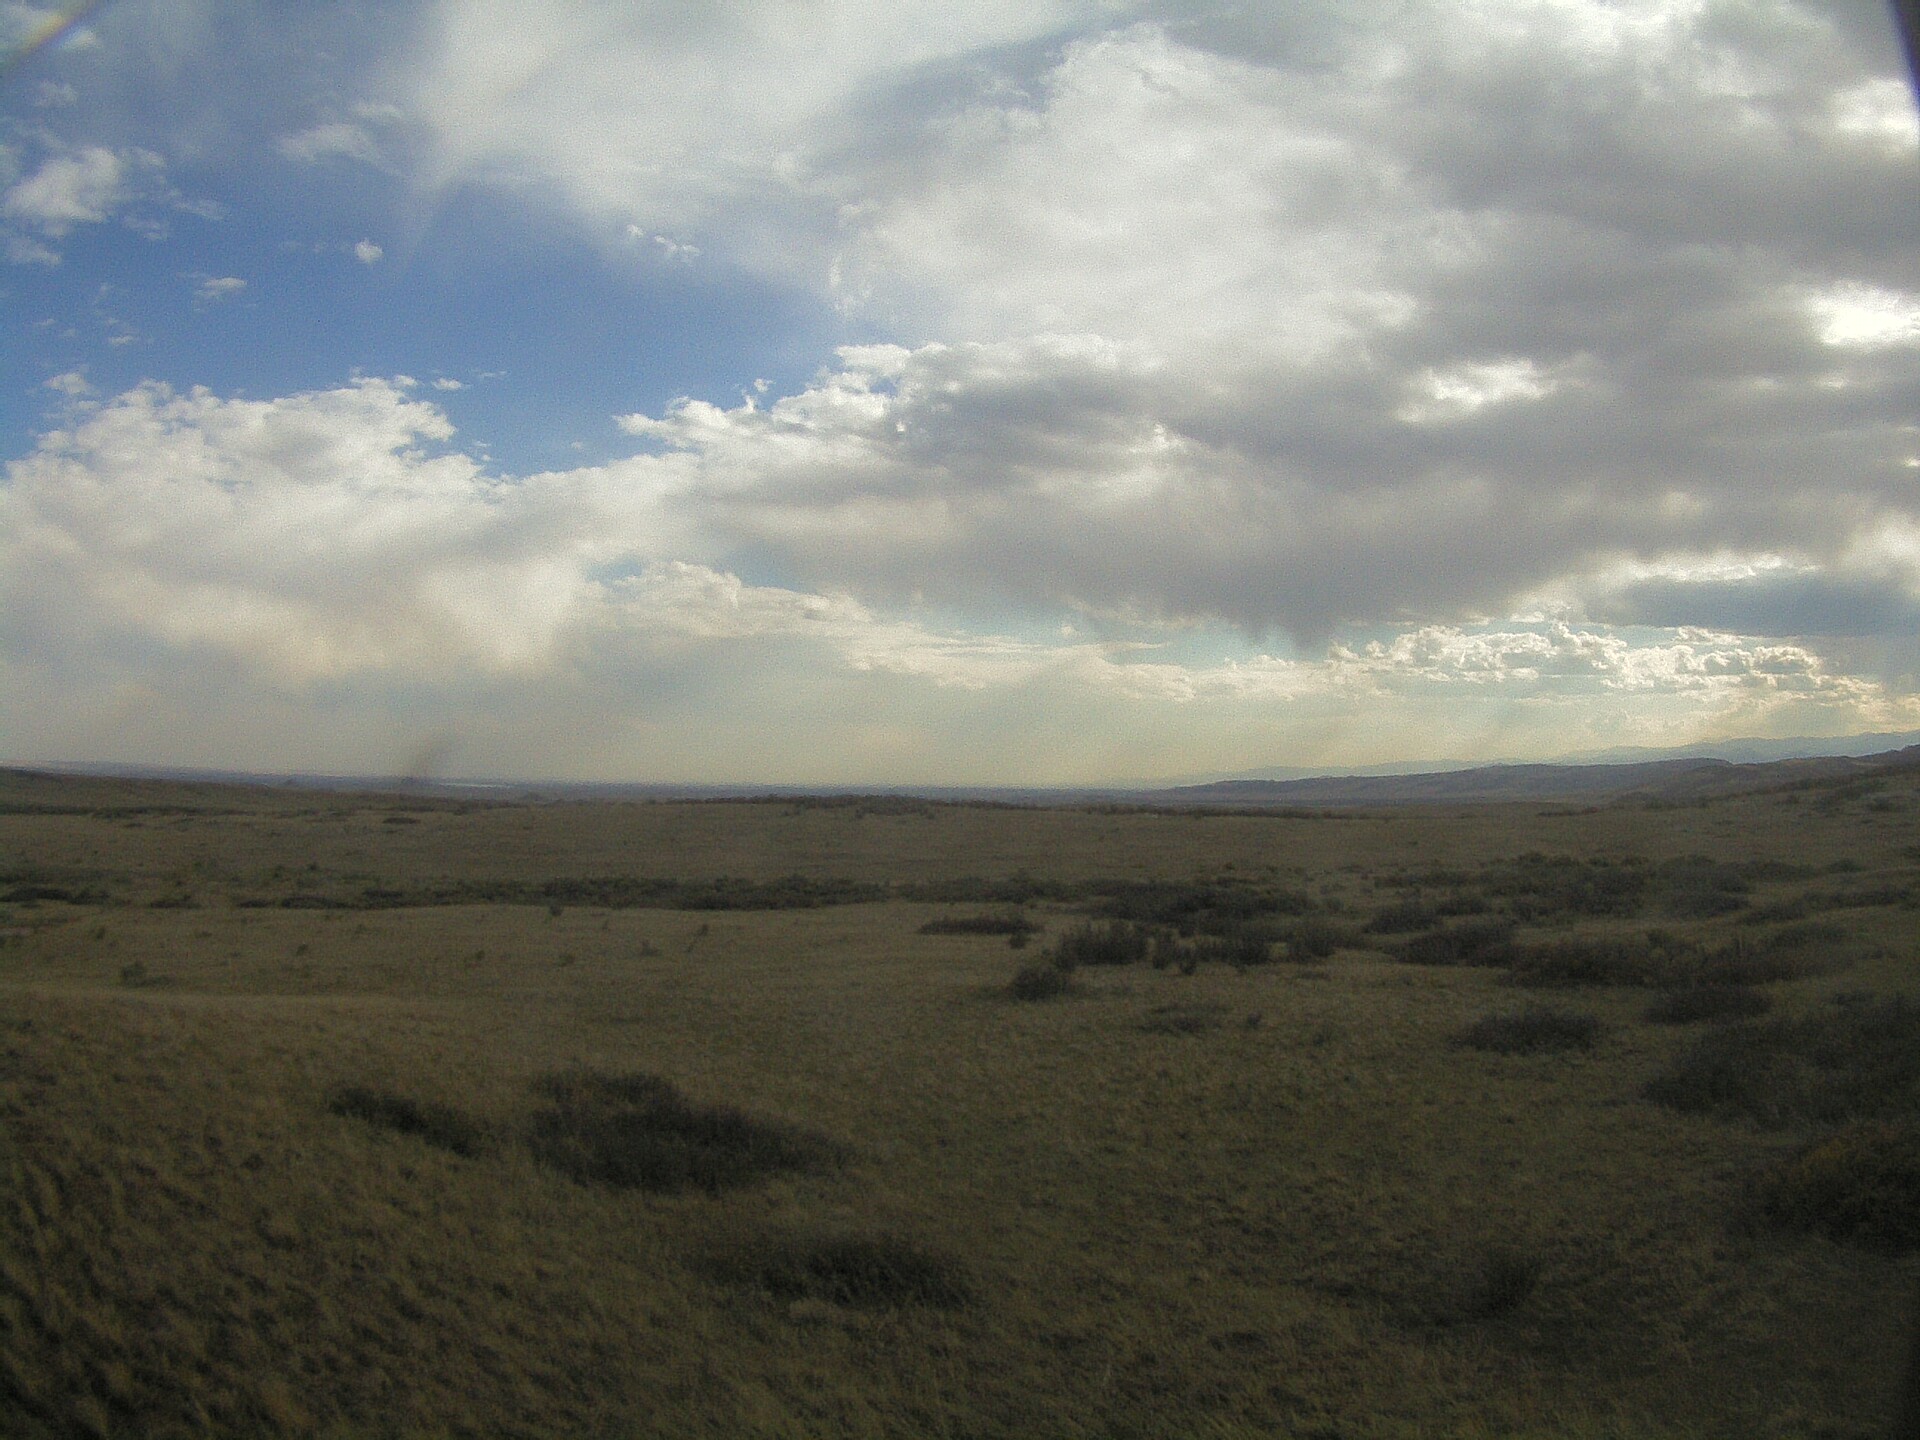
column 275, row 1069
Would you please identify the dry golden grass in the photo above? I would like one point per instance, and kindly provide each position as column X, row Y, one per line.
column 1305, row 1213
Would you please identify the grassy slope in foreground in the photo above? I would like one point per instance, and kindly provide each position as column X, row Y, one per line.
column 1279, row 1200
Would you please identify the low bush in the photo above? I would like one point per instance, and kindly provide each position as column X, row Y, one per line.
column 857, row 1271
column 1504, row 1281
column 1695, row 1003
column 1241, row 951
column 1859, row 1183
column 1039, row 982
column 1858, row 1061
column 439, row 1125
column 637, row 1131
column 1000, row 922
column 1608, row 960
column 1402, row 917
column 1463, row 902
column 1118, row 942
column 1183, row 1019
column 1531, row 1032
column 1198, row 907
column 1694, row 887
column 1315, row 939
column 1470, row 942
column 1540, row 887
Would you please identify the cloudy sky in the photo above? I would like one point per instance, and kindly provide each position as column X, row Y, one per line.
column 1062, row 391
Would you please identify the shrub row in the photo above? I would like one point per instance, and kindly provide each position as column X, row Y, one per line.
column 1003, row 922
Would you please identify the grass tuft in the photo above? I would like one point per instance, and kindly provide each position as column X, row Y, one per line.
column 638, row 1132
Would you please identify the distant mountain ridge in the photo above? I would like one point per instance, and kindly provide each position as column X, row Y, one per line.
column 1696, row 771
column 1685, row 777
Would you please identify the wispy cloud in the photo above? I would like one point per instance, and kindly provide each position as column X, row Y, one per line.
column 211, row 289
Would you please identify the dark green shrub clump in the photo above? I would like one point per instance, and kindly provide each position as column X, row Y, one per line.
column 1401, row 917
column 1789, row 953
column 1531, row 1032
column 1040, row 982
column 858, row 1271
column 1471, row 942
column 1118, row 942
column 1696, row 888
column 439, row 1125
column 1315, row 939
column 1003, row 922
column 1610, row 960
column 1198, row 907
column 1539, row 887
column 1859, row 1183
column 639, row 1132
column 1248, row 948
column 1503, row 1282
column 1860, row 1061
column 1182, row 1019
column 1695, row 1003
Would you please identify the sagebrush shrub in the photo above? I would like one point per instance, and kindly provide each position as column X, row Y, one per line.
column 997, row 922
column 1486, row 941
column 1582, row 960
column 1118, row 942
column 1859, row 1183
column 637, row 1131
column 1039, row 982
column 439, row 1125
column 1401, row 917
column 859, row 1271
column 1531, row 1032
column 1858, row 1061
column 1695, row 1003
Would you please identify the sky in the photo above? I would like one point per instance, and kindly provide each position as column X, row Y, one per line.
column 1063, row 392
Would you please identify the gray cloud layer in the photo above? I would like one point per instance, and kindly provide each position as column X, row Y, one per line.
column 1371, row 314
column 1508, row 370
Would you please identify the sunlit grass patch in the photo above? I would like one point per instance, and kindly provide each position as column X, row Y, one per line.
column 639, row 1132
